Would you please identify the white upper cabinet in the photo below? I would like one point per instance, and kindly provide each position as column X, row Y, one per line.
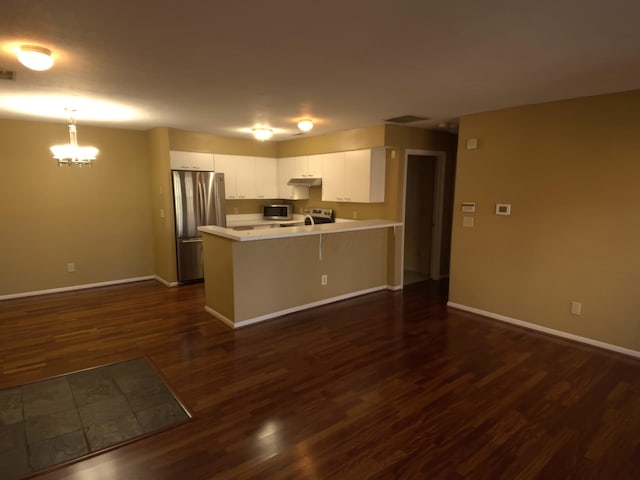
column 248, row 177
column 227, row 164
column 191, row 160
column 245, row 177
column 314, row 166
column 266, row 171
column 354, row 176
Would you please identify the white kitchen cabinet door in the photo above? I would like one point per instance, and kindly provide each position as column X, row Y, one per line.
column 314, row 166
column 359, row 177
column 227, row 165
column 333, row 177
column 266, row 174
column 245, row 177
column 191, row 160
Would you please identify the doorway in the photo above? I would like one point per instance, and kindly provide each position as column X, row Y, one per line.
column 423, row 216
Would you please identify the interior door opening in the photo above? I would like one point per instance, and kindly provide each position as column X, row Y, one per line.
column 427, row 211
column 419, row 218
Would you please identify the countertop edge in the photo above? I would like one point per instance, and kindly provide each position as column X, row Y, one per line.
column 301, row 231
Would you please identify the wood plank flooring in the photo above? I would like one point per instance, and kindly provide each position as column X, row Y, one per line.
column 391, row 385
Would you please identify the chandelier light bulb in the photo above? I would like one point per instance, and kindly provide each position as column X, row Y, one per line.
column 35, row 58
column 305, row 124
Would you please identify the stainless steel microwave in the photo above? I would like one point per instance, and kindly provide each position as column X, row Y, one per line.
column 277, row 212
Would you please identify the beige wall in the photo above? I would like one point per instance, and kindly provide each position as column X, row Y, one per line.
column 203, row 142
column 162, row 212
column 570, row 170
column 97, row 218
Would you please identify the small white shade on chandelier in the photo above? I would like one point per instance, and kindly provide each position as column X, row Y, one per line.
column 35, row 58
column 74, row 154
column 305, row 125
column 262, row 133
column 71, row 153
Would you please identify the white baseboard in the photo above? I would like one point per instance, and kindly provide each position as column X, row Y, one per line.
column 262, row 318
column 78, row 287
column 166, row 283
column 550, row 331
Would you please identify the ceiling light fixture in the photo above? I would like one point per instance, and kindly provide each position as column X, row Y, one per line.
column 72, row 154
column 305, row 124
column 35, row 58
column 262, row 134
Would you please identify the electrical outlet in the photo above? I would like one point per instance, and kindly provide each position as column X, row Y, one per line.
column 355, row 215
column 71, row 267
column 576, row 308
column 323, row 280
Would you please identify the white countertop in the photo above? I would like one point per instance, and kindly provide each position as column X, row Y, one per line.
column 341, row 225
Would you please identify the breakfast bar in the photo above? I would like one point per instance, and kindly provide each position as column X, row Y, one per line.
column 254, row 275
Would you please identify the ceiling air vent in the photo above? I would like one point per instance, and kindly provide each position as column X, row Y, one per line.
column 7, row 74
column 406, row 119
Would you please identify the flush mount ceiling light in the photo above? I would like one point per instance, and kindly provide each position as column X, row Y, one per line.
column 35, row 58
column 262, row 134
column 305, row 124
column 72, row 154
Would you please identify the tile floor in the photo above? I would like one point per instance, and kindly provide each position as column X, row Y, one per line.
column 53, row 421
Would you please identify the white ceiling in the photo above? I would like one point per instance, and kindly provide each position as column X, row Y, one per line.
column 219, row 66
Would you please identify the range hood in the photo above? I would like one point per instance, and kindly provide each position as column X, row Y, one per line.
column 305, row 182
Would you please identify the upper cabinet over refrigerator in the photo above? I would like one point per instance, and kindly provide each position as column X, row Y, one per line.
column 191, row 160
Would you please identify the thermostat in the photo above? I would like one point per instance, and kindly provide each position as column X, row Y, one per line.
column 503, row 209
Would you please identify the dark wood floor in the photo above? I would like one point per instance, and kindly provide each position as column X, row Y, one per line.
column 384, row 386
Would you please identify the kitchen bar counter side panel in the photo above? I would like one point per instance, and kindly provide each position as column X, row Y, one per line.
column 277, row 275
column 218, row 274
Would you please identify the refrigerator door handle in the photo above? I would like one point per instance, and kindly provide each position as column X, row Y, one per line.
column 192, row 240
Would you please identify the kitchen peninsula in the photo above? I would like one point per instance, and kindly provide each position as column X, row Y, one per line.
column 254, row 275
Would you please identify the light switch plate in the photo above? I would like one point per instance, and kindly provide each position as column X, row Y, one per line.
column 467, row 222
column 469, row 207
column 472, row 143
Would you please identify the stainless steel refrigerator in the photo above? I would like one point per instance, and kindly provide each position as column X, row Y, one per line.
column 198, row 198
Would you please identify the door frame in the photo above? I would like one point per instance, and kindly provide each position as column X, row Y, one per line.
column 438, row 207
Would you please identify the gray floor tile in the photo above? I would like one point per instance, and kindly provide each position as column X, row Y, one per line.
column 11, row 406
column 52, row 425
column 135, row 376
column 53, row 421
column 49, row 396
column 57, row 450
column 12, row 437
column 106, row 434
column 15, row 463
column 104, row 410
column 160, row 416
column 92, row 386
column 150, row 397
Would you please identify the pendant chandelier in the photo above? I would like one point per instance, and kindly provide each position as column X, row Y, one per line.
column 72, row 154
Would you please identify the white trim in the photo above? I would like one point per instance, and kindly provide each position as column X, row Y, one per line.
column 166, row 283
column 550, row 331
column 286, row 311
column 78, row 287
column 394, row 288
column 219, row 316
column 438, row 206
